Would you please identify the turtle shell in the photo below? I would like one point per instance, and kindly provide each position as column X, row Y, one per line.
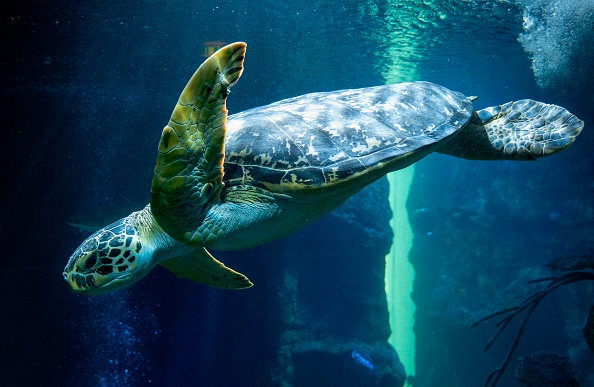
column 321, row 140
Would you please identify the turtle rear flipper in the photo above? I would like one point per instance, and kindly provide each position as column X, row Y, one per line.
column 520, row 130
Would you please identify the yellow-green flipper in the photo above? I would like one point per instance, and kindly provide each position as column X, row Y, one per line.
column 198, row 265
column 188, row 174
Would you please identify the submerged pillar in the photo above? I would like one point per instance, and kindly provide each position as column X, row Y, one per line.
column 400, row 273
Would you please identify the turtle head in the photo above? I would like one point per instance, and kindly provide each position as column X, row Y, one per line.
column 110, row 259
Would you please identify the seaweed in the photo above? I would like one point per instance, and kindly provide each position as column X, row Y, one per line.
column 580, row 267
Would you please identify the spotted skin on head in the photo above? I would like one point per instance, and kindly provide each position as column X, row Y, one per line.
column 106, row 256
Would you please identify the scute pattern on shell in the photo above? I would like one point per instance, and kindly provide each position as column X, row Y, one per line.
column 321, row 138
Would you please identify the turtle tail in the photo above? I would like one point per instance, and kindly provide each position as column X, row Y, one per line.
column 520, row 130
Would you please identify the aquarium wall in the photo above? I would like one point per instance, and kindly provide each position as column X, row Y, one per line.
column 85, row 91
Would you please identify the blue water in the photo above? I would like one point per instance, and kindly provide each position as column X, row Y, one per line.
column 86, row 88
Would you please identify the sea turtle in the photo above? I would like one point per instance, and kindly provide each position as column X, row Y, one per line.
column 261, row 174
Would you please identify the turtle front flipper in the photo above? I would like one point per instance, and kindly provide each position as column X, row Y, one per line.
column 520, row 130
column 202, row 267
column 188, row 174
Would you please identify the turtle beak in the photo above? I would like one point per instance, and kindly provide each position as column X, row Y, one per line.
column 79, row 283
column 86, row 284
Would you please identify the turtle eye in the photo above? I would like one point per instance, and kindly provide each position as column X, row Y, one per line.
column 90, row 261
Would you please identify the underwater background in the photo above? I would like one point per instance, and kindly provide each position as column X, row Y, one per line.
column 86, row 88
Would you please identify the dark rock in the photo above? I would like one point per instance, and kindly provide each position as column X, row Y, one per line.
column 333, row 299
column 546, row 369
column 589, row 329
column 577, row 261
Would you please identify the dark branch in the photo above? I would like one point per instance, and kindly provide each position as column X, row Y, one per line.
column 528, row 305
